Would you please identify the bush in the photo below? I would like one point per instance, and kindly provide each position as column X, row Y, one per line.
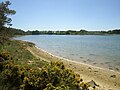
column 4, row 56
column 51, row 77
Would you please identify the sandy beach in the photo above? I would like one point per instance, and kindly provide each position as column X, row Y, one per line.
column 106, row 79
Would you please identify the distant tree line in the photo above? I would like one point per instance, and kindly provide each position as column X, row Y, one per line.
column 73, row 32
column 5, row 31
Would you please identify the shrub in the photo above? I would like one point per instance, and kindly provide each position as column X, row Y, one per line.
column 51, row 77
column 4, row 56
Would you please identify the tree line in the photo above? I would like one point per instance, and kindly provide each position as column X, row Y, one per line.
column 73, row 32
column 13, row 31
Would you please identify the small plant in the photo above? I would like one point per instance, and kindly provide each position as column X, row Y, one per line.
column 4, row 56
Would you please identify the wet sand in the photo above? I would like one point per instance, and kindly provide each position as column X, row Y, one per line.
column 105, row 78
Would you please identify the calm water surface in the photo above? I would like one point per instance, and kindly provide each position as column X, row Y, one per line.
column 97, row 50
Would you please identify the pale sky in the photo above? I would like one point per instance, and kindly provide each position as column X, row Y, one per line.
column 66, row 14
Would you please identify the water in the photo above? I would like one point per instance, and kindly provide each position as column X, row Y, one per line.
column 97, row 50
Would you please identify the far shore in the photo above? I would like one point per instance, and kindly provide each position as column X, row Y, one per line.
column 106, row 79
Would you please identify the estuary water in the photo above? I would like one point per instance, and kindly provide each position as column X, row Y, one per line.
column 98, row 50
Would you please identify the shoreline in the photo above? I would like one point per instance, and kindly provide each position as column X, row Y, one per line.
column 107, row 79
column 75, row 61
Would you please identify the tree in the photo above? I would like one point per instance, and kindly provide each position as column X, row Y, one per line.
column 4, row 13
column 35, row 32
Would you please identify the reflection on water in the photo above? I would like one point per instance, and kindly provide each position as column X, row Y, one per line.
column 102, row 51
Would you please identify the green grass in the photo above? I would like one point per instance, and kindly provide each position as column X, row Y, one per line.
column 19, row 53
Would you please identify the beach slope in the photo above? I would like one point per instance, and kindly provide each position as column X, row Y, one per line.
column 106, row 79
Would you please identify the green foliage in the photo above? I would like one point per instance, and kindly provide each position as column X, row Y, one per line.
column 3, row 40
column 17, row 51
column 4, row 56
column 10, row 32
column 116, row 31
column 4, row 12
column 35, row 32
column 51, row 77
column 73, row 32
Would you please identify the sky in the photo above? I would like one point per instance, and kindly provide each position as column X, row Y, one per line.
column 66, row 14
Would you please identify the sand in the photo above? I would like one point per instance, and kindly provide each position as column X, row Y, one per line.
column 105, row 78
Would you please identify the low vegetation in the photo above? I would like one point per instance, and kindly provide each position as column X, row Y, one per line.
column 50, row 77
column 18, row 52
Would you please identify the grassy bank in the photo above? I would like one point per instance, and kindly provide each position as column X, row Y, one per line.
column 19, row 53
